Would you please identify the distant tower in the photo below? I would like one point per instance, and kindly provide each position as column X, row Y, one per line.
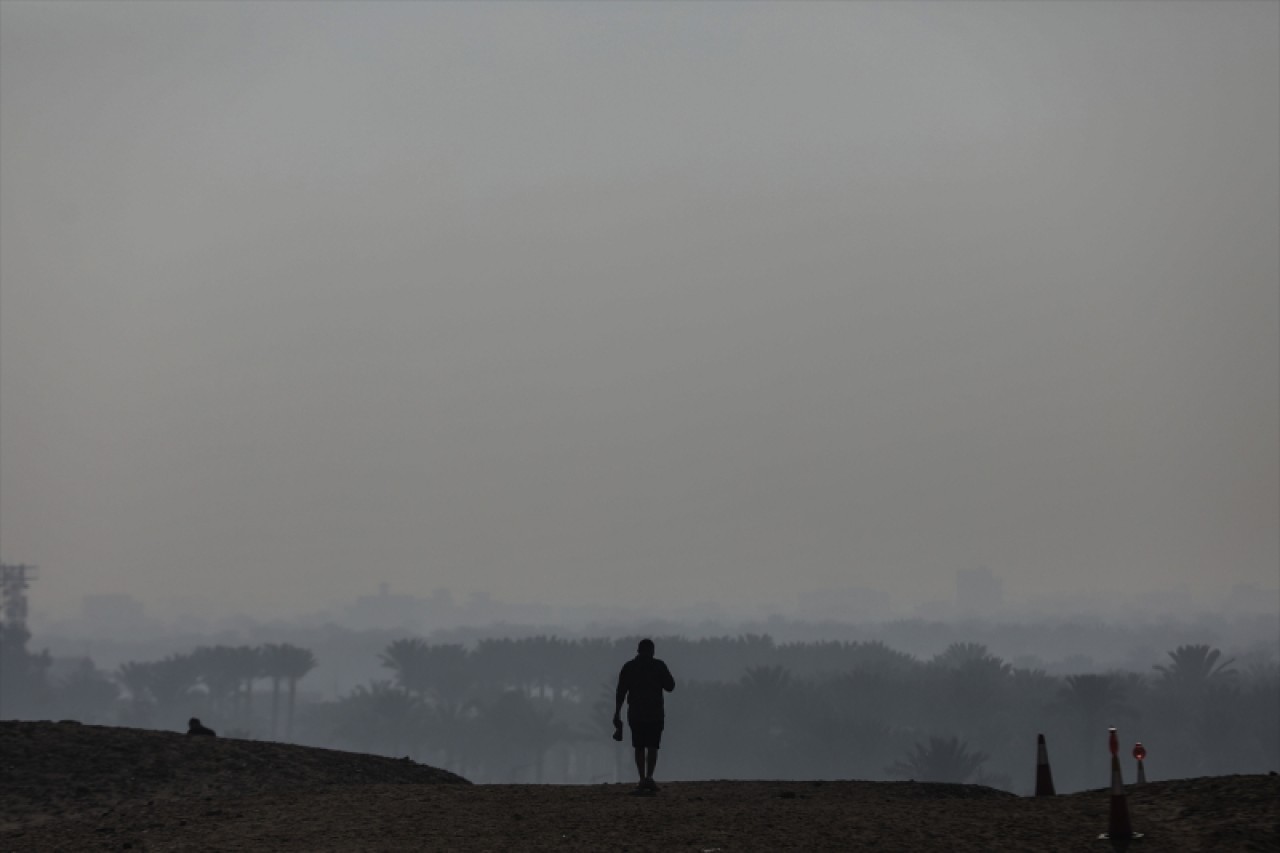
column 979, row 592
column 13, row 586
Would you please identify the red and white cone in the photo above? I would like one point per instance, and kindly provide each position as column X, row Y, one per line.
column 1140, row 753
column 1118, row 826
column 1044, row 776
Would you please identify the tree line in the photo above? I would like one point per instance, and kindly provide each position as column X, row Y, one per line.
column 537, row 709
column 216, row 683
column 749, row 708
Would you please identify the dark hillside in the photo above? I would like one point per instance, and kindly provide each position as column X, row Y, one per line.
column 67, row 787
column 67, row 768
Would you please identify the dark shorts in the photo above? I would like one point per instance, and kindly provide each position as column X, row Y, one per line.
column 646, row 735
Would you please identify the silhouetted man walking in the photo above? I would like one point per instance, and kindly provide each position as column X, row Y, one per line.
column 640, row 684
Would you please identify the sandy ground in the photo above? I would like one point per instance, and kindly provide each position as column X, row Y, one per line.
column 245, row 795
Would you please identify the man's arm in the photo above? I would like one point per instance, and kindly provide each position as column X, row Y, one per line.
column 668, row 680
column 620, row 695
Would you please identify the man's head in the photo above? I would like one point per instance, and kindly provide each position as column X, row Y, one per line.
column 645, row 649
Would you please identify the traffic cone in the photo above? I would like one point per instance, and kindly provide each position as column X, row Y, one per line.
column 1140, row 753
column 1118, row 826
column 1044, row 776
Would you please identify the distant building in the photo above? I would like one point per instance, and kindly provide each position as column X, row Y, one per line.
column 979, row 592
column 385, row 610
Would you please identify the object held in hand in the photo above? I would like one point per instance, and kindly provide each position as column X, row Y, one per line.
column 617, row 729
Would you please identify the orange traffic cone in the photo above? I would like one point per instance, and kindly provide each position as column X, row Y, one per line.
column 1118, row 826
column 1044, row 776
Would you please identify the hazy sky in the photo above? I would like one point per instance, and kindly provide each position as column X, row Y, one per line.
column 609, row 303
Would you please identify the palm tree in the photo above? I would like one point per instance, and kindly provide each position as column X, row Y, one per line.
column 228, row 672
column 977, row 684
column 409, row 660
column 875, row 655
column 274, row 658
column 832, row 744
column 381, row 717
column 1195, row 669
column 449, row 673
column 23, row 675
column 247, row 663
column 135, row 678
column 763, row 690
column 960, row 655
column 602, row 722
column 1094, row 699
column 86, row 694
column 1201, row 691
column 448, row 725
column 514, row 724
column 1091, row 704
column 765, row 684
column 215, row 675
column 293, row 663
column 170, row 681
column 943, row 760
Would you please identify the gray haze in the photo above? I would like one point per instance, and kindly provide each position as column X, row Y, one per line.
column 639, row 304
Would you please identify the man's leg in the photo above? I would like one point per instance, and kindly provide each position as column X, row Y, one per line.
column 650, row 762
column 640, row 763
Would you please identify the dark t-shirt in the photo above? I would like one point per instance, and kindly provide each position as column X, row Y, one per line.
column 641, row 683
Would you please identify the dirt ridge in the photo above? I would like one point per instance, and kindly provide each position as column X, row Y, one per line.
column 65, row 787
column 67, row 768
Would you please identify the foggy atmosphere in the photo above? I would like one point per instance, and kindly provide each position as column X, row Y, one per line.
column 374, row 376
